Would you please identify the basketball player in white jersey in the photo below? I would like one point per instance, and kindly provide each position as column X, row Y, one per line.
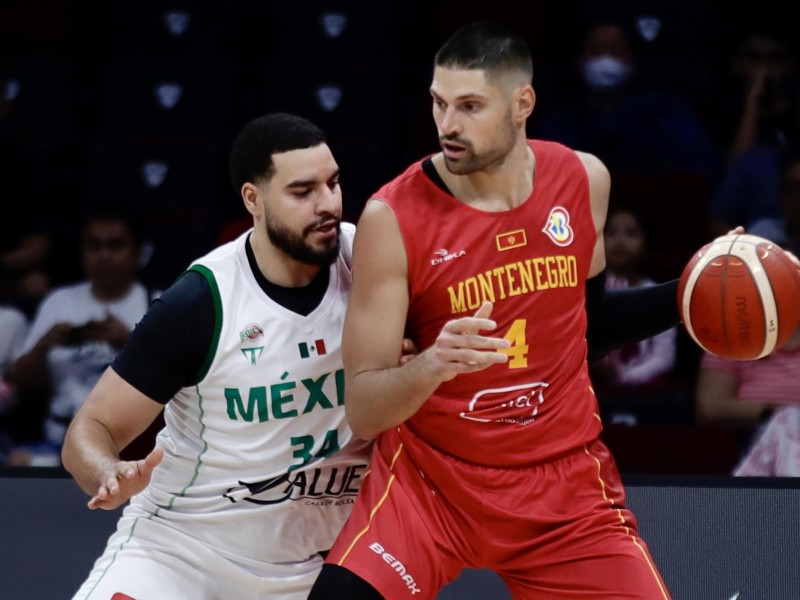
column 255, row 470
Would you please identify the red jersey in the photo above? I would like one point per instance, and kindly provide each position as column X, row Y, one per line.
column 532, row 263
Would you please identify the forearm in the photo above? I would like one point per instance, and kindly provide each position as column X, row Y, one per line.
column 620, row 317
column 379, row 399
column 730, row 411
column 88, row 453
column 657, row 359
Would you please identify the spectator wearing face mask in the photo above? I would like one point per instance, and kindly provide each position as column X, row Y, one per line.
column 635, row 129
column 661, row 157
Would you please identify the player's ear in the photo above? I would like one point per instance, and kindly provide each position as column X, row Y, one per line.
column 524, row 101
column 250, row 198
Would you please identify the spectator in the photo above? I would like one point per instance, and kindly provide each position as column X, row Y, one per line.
column 79, row 328
column 24, row 253
column 750, row 191
column 776, row 452
column 753, row 103
column 627, row 376
column 14, row 327
column 744, row 394
column 635, row 129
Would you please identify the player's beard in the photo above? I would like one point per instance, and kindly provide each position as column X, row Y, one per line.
column 473, row 162
column 296, row 246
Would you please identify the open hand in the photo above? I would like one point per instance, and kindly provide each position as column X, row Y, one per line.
column 460, row 348
column 124, row 480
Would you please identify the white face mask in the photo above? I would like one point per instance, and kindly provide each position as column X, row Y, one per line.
column 605, row 72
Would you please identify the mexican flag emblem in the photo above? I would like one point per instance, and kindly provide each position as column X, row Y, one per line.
column 308, row 348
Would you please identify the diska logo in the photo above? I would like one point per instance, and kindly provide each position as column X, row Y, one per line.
column 443, row 255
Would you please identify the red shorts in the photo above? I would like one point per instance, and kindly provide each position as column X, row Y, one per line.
column 552, row 530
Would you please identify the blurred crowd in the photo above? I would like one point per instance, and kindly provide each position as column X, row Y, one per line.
column 115, row 118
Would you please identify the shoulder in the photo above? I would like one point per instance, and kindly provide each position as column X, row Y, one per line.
column 189, row 290
column 223, row 252
column 346, row 242
column 411, row 176
column 66, row 295
column 12, row 319
column 595, row 168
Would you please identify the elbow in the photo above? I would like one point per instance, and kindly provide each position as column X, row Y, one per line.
column 360, row 419
column 67, row 455
column 707, row 410
column 360, row 426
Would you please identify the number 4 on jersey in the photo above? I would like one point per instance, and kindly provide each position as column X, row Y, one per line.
column 518, row 351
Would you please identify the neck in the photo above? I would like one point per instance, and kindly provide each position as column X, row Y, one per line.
column 502, row 186
column 276, row 265
column 111, row 292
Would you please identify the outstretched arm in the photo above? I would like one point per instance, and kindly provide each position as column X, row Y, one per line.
column 113, row 415
column 379, row 394
column 617, row 318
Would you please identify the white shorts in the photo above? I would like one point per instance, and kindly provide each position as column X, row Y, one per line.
column 147, row 559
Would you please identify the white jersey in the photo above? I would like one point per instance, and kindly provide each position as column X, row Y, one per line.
column 260, row 467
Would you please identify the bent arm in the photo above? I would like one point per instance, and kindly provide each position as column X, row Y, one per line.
column 717, row 401
column 113, row 415
column 378, row 393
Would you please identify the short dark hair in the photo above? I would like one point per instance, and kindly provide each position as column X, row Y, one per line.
column 251, row 154
column 118, row 212
column 487, row 46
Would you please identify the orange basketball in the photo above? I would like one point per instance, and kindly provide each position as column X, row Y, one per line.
column 739, row 297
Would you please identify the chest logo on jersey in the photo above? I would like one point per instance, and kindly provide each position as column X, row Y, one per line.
column 511, row 239
column 443, row 255
column 517, row 405
column 251, row 333
column 558, row 228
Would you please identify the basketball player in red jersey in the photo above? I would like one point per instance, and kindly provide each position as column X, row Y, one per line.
column 487, row 452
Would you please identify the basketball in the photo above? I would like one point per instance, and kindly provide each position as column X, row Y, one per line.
column 739, row 297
